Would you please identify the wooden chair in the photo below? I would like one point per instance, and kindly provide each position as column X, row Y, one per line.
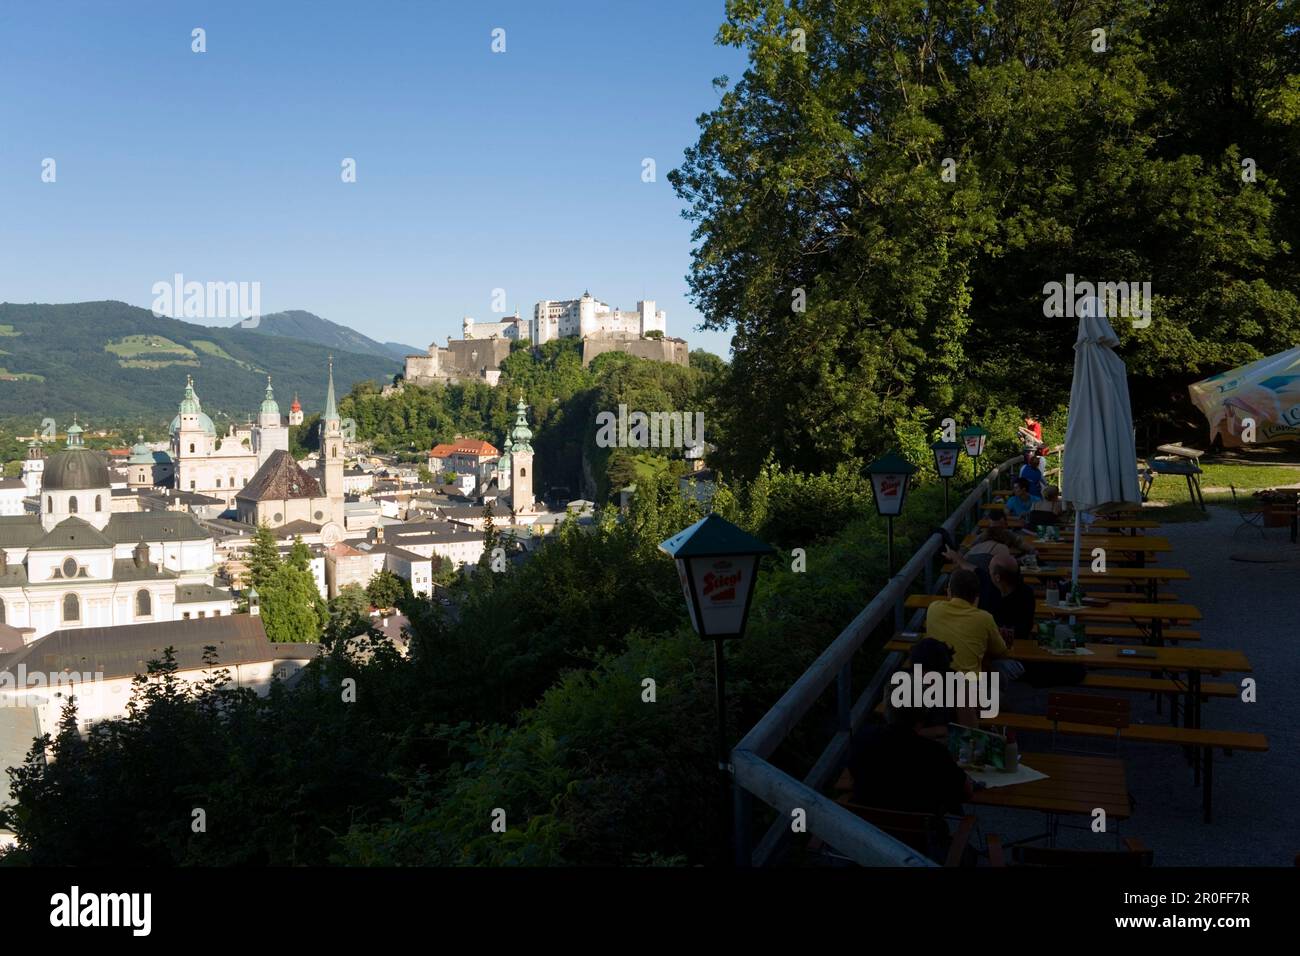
column 1088, row 709
column 1134, row 854
column 918, row 830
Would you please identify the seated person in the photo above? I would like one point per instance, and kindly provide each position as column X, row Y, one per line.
column 1048, row 511
column 1005, row 595
column 1022, row 499
column 1031, row 472
column 996, row 539
column 933, row 657
column 958, row 622
column 894, row 767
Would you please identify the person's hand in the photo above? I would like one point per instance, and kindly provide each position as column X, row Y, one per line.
column 952, row 555
column 1008, row 634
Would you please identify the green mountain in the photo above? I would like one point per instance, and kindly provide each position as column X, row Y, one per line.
column 112, row 361
column 306, row 327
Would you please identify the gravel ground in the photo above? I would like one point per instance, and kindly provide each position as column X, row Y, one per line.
column 1255, row 608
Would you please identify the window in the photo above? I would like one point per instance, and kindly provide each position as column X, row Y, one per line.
column 203, row 613
column 72, row 505
column 71, row 608
column 2, row 610
column 185, row 616
column 216, row 614
column 523, row 472
column 49, row 503
column 69, row 567
column 191, row 485
column 191, row 448
column 218, row 482
column 143, row 604
column 99, row 502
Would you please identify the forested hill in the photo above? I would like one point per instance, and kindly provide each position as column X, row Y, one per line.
column 306, row 327
column 110, row 360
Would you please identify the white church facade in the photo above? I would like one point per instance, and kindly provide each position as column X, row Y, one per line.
column 80, row 564
column 219, row 467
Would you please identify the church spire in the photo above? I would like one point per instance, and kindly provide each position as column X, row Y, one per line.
column 331, row 409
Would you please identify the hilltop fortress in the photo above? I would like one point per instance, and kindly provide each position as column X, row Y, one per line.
column 478, row 354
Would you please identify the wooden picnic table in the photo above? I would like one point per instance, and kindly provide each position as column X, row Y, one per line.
column 1118, row 509
column 1075, row 784
column 1107, row 524
column 1154, row 614
column 1169, row 660
column 1148, row 577
column 1140, row 546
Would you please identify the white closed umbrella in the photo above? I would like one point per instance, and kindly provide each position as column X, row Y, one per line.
column 1100, row 462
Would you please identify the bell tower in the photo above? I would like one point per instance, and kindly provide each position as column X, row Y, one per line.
column 521, row 462
column 331, row 448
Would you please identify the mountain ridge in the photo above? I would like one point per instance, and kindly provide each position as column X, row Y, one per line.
column 111, row 360
column 308, row 327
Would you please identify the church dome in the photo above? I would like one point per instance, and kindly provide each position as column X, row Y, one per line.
column 141, row 454
column 190, row 405
column 269, row 404
column 204, row 422
column 74, row 469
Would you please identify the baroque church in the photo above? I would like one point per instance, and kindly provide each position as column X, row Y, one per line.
column 78, row 564
column 218, row 467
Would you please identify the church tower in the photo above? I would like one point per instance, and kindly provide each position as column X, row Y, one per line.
column 331, row 448
column 521, row 462
column 270, row 434
column 295, row 411
column 34, row 467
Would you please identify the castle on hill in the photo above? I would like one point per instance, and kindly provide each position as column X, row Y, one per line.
column 478, row 354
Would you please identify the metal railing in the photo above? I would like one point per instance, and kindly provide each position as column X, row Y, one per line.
column 755, row 777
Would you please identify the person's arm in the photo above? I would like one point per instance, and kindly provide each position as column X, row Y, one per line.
column 956, row 558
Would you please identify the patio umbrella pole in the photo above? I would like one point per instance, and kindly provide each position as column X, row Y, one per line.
column 1074, row 564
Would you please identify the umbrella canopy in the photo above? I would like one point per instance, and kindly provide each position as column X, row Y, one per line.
column 1267, row 391
column 1100, row 462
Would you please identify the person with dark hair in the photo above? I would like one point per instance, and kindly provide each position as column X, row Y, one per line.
column 1032, row 473
column 933, row 657
column 958, row 622
column 994, row 540
column 1022, row 498
column 894, row 767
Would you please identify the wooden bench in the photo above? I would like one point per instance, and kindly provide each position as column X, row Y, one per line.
column 1206, row 741
column 1132, row 632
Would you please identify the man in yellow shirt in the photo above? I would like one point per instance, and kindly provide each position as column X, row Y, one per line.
column 958, row 622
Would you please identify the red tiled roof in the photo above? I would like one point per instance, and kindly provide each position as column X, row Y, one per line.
column 464, row 446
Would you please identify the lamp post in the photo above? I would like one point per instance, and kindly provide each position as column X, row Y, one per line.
column 945, row 463
column 889, row 477
column 717, row 564
column 974, row 437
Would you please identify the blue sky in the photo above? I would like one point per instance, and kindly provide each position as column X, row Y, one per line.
column 475, row 170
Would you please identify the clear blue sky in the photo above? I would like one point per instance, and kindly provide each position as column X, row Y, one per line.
column 475, row 170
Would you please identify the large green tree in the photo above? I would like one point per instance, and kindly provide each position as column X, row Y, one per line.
column 882, row 196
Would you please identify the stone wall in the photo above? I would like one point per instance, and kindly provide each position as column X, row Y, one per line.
column 674, row 351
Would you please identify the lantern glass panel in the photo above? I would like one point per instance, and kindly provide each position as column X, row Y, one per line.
column 945, row 460
column 722, row 585
column 890, row 490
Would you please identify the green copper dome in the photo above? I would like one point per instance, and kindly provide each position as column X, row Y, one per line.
column 269, row 406
column 522, row 435
column 141, row 454
column 190, row 405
